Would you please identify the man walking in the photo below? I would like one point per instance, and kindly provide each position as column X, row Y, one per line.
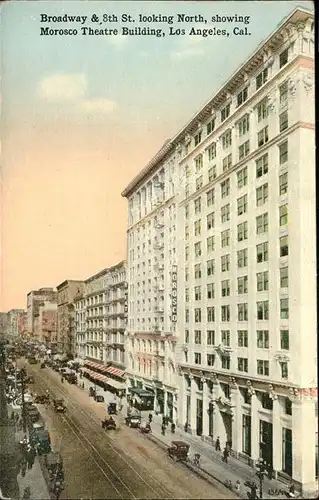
column 225, row 455
column 217, row 444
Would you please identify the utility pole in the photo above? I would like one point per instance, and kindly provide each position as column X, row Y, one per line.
column 261, row 467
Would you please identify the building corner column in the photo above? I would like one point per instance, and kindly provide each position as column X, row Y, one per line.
column 277, row 435
column 193, row 406
column 205, row 432
column 255, row 431
column 236, row 420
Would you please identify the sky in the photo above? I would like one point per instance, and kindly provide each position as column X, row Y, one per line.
column 82, row 115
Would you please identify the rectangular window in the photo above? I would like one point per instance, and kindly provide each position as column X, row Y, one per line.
column 187, row 190
column 210, row 267
column 226, row 139
column 283, row 152
column 284, row 277
column 186, row 274
column 262, row 281
column 242, row 177
column 187, row 211
column 284, row 369
column 243, row 125
column 210, row 359
column 284, row 247
column 262, row 137
column 210, row 244
column 197, row 271
column 283, row 184
column 242, row 231
column 210, row 337
column 211, row 151
column 225, row 288
column 262, row 166
column 283, row 93
column 212, row 174
column 198, row 337
column 210, row 291
column 197, row 227
column 186, row 337
column 284, row 339
column 263, row 310
column 210, row 197
column 262, row 78
column 210, row 314
column 242, row 285
column 242, row 312
column 243, row 150
column 198, row 315
column 262, row 110
column 225, row 213
column 288, row 410
column 225, row 362
column 197, row 293
column 262, row 195
column 284, row 308
column 263, row 339
column 283, row 121
column 263, row 367
column 225, row 262
column 283, row 58
column 227, row 162
column 225, row 112
column 198, row 358
column 186, row 294
column 198, row 205
column 197, row 138
column 225, row 335
column 262, row 252
column 225, row 313
column 210, row 126
column 283, row 215
column 242, row 96
column 186, row 233
column 242, row 365
column 242, row 205
column 186, row 253
column 242, row 258
column 225, row 238
column 242, row 338
column 225, row 188
column 262, row 223
column 199, row 182
column 210, row 221
column 186, row 315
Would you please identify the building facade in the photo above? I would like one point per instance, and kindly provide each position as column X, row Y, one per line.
column 48, row 323
column 14, row 322
column 34, row 299
column 66, row 330
column 80, row 325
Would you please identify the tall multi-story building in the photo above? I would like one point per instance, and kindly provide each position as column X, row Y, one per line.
column 13, row 322
column 66, row 331
column 34, row 299
column 151, row 275
column 48, row 323
column 80, row 325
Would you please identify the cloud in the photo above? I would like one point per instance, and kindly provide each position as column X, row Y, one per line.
column 95, row 106
column 186, row 53
column 62, row 87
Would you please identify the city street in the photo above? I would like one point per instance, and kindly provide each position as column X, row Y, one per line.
column 120, row 464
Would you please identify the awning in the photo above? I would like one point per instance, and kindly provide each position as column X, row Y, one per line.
column 115, row 383
column 91, row 364
column 141, row 392
column 115, row 371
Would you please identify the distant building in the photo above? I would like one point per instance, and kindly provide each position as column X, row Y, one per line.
column 48, row 323
column 34, row 299
column 14, row 322
column 66, row 293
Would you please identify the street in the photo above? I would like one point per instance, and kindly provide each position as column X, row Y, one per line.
column 120, row 464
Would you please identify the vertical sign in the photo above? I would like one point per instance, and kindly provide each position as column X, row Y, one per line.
column 174, row 294
column 126, row 302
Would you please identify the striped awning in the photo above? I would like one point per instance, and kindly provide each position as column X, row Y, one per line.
column 115, row 371
column 91, row 364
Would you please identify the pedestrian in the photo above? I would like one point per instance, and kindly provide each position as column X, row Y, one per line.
column 225, row 455
column 253, row 491
column 269, row 471
column 31, row 457
column 163, row 429
column 186, row 427
column 173, row 427
column 217, row 444
column 291, row 491
column 23, row 467
column 150, row 417
column 237, row 486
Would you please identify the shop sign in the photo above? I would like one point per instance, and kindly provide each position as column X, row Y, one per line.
column 174, row 294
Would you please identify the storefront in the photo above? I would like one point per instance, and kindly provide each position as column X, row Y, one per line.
column 287, row 451
column 211, row 419
column 170, row 405
column 265, row 431
column 142, row 399
column 199, row 417
column 246, row 435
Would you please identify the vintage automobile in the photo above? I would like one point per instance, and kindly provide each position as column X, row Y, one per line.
column 43, row 442
column 145, row 428
column 53, row 462
column 71, row 378
column 42, row 399
column 133, row 421
column 35, row 430
column 178, row 451
column 99, row 399
column 42, row 365
column 109, row 424
column 33, row 414
column 111, row 409
column 58, row 405
column 92, row 392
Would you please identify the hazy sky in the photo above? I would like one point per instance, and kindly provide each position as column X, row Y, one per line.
column 81, row 115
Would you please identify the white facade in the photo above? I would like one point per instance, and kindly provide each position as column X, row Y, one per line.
column 243, row 222
column 80, row 326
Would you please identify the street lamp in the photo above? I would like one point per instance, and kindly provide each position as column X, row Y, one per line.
column 261, row 471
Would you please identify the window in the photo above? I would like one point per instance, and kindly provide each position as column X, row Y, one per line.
column 284, row 308
column 242, row 258
column 263, row 339
column 227, row 162
column 187, row 190
column 283, row 152
column 262, row 252
column 242, row 177
column 261, row 79
column 210, row 291
column 210, row 197
column 262, row 223
column 186, row 233
column 242, row 312
column 210, row 244
column 283, row 215
column 243, row 125
column 242, row 284
column 198, row 358
column 284, row 339
column 284, row 248
column 262, row 137
column 212, row 173
column 186, row 253
column 262, row 310
column 262, row 110
column 199, row 182
column 210, row 126
column 198, row 337
column 186, row 274
column 226, row 139
column 243, row 150
column 242, row 231
column 283, row 121
column 225, row 288
column 266, row 401
column 225, row 336
column 242, row 365
column 246, row 432
column 262, row 166
column 187, row 211
column 225, row 261
column 225, row 112
column 288, row 406
column 263, row 367
column 197, row 227
column 262, row 281
column 262, row 195
column 225, row 313
column 197, row 205
column 210, row 220
column 210, row 359
column 225, row 188
column 284, row 369
column 198, row 315
column 242, row 96
column 283, row 58
column 210, row 267
column 186, row 294
column 197, row 293
column 225, row 362
column 186, row 315
column 283, row 184
column 242, row 205
column 211, row 151
column 225, row 213
column 210, row 337
column 197, row 138
column 242, row 338
column 210, row 314
column 187, row 171
column 186, row 336
column 283, row 93
column 225, row 238
column 197, row 271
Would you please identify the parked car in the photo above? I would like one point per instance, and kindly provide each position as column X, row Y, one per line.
column 133, row 421
column 178, row 451
column 99, row 399
column 58, row 405
column 111, row 409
